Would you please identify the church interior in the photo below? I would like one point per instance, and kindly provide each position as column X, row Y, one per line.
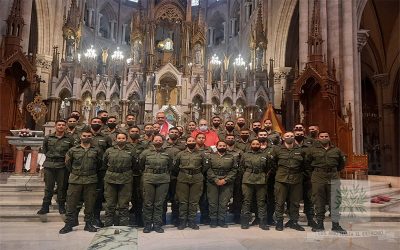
column 335, row 63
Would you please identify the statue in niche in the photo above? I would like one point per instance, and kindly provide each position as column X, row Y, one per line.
column 133, row 107
column 196, row 111
column 86, row 111
column 168, row 45
column 214, row 108
column 198, row 58
column 137, row 47
column 259, row 57
column 104, row 56
column 70, row 48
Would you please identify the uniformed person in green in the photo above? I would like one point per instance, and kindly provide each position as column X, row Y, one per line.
column 326, row 160
column 136, row 146
column 130, row 122
column 111, row 129
column 243, row 142
column 203, row 204
column 255, row 128
column 273, row 136
column 119, row 161
column 156, row 165
column 72, row 130
column 254, row 165
column 301, row 141
column 290, row 163
column 103, row 116
column 229, row 130
column 236, row 205
column 189, row 165
column 172, row 147
column 266, row 147
column 80, row 124
column 221, row 174
column 103, row 142
column 83, row 162
column 216, row 125
column 148, row 135
column 55, row 146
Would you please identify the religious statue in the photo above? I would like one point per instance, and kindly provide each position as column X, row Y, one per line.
column 104, row 56
column 259, row 58
column 137, row 46
column 196, row 111
column 198, row 58
column 70, row 48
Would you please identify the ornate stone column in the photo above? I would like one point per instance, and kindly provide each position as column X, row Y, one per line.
column 386, row 123
column 19, row 160
column 34, row 159
column 99, row 16
column 362, row 38
column 280, row 84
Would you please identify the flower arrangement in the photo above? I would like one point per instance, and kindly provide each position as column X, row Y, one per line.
column 25, row 133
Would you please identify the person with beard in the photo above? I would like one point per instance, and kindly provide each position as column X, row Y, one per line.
column 156, row 165
column 229, row 130
column 111, row 130
column 190, row 166
column 273, row 136
column 221, row 174
column 55, row 146
column 313, row 131
column 326, row 162
column 83, row 162
column 243, row 142
column 255, row 127
column 172, row 147
column 300, row 141
column 137, row 146
column 289, row 159
column 211, row 136
column 255, row 167
column 103, row 142
column 216, row 125
column 119, row 162
column 103, row 116
column 72, row 130
column 236, row 204
column 130, row 121
column 203, row 204
column 240, row 123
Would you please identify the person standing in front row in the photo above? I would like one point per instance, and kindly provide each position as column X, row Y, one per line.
column 326, row 160
column 119, row 162
column 189, row 165
column 83, row 162
column 255, row 167
column 221, row 174
column 156, row 165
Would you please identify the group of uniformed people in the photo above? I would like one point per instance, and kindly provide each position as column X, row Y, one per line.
column 199, row 166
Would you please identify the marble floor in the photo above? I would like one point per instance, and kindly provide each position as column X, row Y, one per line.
column 371, row 235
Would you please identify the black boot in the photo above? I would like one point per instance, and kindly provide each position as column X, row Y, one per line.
column 244, row 222
column 61, row 208
column 296, row 226
column 263, row 224
column 158, row 228
column 279, row 225
column 44, row 209
column 139, row 220
column 337, row 228
column 66, row 229
column 311, row 222
column 255, row 222
column 193, row 225
column 147, row 228
column 205, row 219
column 182, row 224
column 289, row 223
column 271, row 222
column 222, row 223
column 213, row 223
column 319, row 226
column 97, row 222
column 75, row 221
column 89, row 227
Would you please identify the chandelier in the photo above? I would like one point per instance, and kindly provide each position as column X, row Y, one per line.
column 90, row 53
column 117, row 55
